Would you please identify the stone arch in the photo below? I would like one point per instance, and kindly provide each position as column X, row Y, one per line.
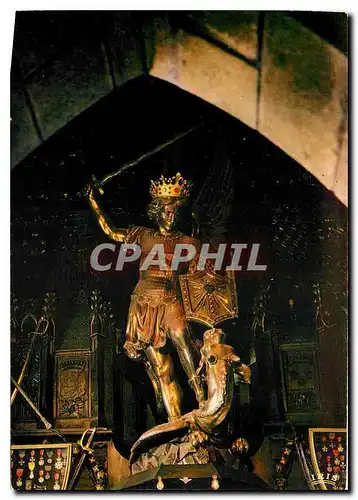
column 276, row 76
column 266, row 69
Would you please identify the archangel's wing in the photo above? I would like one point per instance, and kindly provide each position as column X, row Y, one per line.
column 212, row 206
column 210, row 297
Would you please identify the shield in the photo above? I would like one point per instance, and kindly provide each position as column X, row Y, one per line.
column 209, row 298
column 328, row 450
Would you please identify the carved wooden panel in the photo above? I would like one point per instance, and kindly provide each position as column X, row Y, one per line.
column 72, row 402
column 300, row 382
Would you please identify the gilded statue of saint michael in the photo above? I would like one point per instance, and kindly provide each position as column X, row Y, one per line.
column 156, row 311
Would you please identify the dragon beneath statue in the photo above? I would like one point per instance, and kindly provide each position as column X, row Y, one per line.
column 222, row 369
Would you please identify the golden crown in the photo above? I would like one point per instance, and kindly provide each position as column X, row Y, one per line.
column 174, row 187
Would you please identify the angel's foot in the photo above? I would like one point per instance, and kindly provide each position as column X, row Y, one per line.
column 202, row 403
column 198, row 438
column 240, row 445
column 132, row 352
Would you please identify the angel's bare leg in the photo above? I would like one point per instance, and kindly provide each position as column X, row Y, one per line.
column 188, row 353
column 162, row 366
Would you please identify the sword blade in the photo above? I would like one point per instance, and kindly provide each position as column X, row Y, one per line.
column 31, row 404
column 77, row 470
column 144, row 156
column 28, row 356
column 22, row 374
column 84, row 452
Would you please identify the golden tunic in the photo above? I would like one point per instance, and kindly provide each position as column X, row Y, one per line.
column 156, row 306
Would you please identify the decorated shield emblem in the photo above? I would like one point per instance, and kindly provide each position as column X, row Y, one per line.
column 328, row 449
column 209, row 298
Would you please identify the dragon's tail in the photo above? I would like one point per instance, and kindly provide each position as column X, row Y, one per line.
column 158, row 435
